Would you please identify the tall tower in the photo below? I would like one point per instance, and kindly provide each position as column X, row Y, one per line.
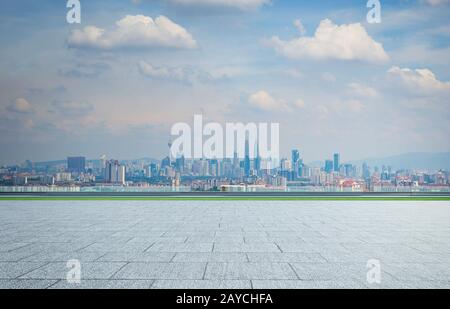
column 257, row 159
column 247, row 158
column 296, row 163
column 170, row 151
column 336, row 162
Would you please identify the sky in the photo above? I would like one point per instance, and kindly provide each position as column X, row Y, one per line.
column 116, row 83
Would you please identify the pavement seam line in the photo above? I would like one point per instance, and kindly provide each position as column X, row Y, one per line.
column 292, row 267
column 111, row 277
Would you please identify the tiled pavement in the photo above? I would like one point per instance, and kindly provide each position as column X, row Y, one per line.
column 234, row 244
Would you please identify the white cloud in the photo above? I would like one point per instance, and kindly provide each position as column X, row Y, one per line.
column 363, row 91
column 20, row 105
column 72, row 109
column 331, row 41
column 354, row 105
column 328, row 77
column 441, row 31
column 299, row 103
column 225, row 72
column 422, row 80
column 436, row 2
column 160, row 72
column 346, row 107
column 294, row 73
column 182, row 74
column 134, row 32
column 238, row 4
column 264, row 101
column 299, row 25
column 28, row 123
column 322, row 111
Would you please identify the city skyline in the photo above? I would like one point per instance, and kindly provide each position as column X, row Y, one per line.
column 442, row 157
column 118, row 81
column 211, row 175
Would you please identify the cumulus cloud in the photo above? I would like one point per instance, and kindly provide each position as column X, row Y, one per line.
column 181, row 74
column 21, row 106
column 72, row 109
column 299, row 103
column 149, row 70
column 84, row 70
column 228, row 71
column 422, row 80
column 134, row 32
column 264, row 101
column 354, row 105
column 362, row 91
column 436, row 2
column 237, row 4
column 331, row 41
column 299, row 25
column 28, row 123
column 328, row 77
column 322, row 112
column 294, row 73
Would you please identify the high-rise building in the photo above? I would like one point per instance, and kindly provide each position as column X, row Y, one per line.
column 349, row 170
column 286, row 165
column 328, row 166
column 257, row 160
column 247, row 166
column 365, row 171
column 336, row 162
column 154, row 169
column 236, row 160
column 295, row 157
column 148, row 171
column 180, row 164
column 166, row 162
column 151, row 170
column 115, row 172
column 296, row 163
column 76, row 164
column 214, row 168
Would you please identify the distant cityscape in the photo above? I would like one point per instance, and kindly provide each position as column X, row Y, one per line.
column 77, row 174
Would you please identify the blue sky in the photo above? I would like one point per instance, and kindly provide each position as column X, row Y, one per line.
column 111, row 88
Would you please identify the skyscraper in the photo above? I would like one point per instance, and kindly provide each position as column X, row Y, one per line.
column 328, row 166
column 336, row 162
column 115, row 172
column 286, row 165
column 180, row 164
column 295, row 156
column 76, row 164
column 296, row 163
column 247, row 159
column 154, row 169
column 365, row 171
column 257, row 160
column 166, row 162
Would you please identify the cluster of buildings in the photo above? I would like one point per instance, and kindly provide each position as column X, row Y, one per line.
column 235, row 174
